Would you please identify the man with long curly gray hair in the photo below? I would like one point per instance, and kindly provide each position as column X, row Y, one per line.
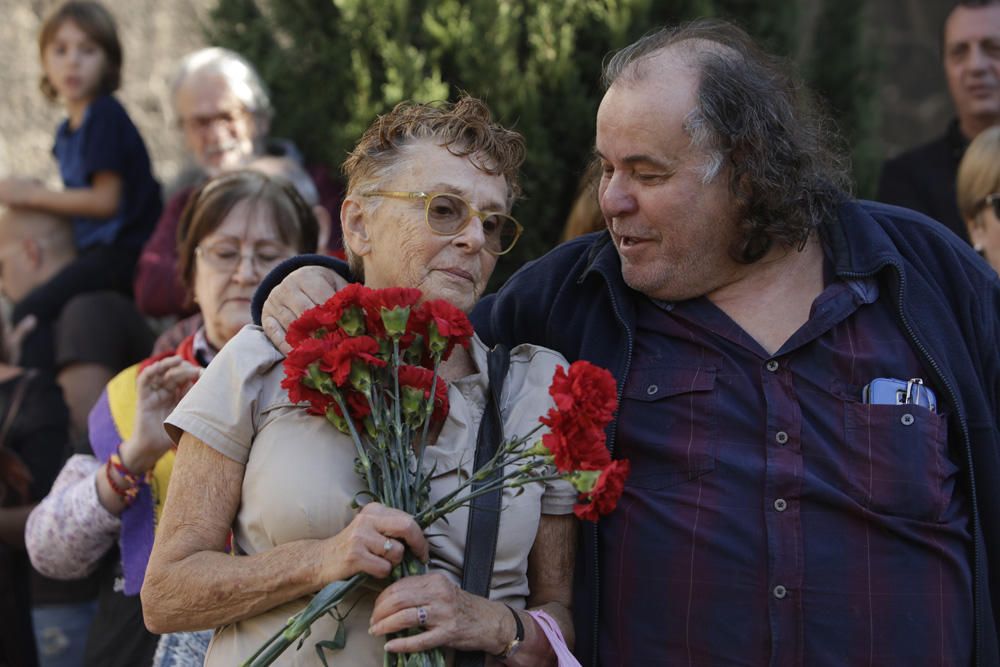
column 809, row 384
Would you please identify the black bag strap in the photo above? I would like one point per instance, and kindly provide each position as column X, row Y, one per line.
column 484, row 511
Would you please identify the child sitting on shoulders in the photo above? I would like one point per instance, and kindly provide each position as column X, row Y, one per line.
column 110, row 193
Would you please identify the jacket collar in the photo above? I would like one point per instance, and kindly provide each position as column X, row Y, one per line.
column 858, row 244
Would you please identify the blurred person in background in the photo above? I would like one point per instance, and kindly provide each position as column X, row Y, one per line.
column 109, row 194
column 34, row 431
column 84, row 352
column 923, row 178
column 105, row 503
column 224, row 112
column 286, row 170
column 979, row 194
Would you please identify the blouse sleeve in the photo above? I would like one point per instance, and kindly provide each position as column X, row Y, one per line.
column 526, row 398
column 221, row 409
column 70, row 530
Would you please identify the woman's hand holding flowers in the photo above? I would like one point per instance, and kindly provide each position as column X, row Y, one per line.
column 452, row 617
column 373, row 543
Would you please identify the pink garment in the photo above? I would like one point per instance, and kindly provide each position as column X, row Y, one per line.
column 555, row 637
column 70, row 530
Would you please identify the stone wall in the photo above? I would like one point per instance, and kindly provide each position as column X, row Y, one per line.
column 155, row 33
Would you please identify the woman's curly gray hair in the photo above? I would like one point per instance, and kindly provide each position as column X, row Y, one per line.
column 755, row 118
column 465, row 128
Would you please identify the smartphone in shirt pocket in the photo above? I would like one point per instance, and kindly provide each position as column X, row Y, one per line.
column 899, row 443
column 890, row 391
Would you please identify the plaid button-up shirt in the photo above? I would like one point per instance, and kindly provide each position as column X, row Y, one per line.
column 771, row 516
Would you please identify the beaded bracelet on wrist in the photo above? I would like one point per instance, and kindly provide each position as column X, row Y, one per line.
column 127, row 494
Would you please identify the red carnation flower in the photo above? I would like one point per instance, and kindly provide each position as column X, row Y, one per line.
column 575, row 444
column 338, row 358
column 341, row 303
column 443, row 326
column 313, row 323
column 606, row 492
column 309, row 351
column 585, row 391
column 420, row 378
column 389, row 298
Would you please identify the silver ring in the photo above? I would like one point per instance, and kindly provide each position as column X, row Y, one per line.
column 386, row 546
column 422, row 617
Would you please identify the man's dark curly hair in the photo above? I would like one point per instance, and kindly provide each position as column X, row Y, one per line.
column 754, row 117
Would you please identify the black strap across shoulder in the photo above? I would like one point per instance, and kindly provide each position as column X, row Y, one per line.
column 484, row 512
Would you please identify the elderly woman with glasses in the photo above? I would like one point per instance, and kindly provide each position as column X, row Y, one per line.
column 429, row 194
column 979, row 194
column 234, row 230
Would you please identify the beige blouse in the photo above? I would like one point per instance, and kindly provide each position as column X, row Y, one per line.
column 300, row 481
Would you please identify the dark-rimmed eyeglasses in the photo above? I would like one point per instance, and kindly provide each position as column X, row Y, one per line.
column 448, row 214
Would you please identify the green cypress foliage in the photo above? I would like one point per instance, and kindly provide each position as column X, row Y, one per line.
column 332, row 65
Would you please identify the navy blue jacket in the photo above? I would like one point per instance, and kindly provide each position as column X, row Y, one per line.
column 946, row 301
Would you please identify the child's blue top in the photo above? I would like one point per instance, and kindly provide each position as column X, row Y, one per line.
column 107, row 140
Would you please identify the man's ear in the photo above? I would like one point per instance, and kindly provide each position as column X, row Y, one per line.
column 354, row 225
column 325, row 227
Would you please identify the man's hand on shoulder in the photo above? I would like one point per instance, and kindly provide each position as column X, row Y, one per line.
column 301, row 290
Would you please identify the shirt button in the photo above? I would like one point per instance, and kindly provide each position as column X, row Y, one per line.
column 907, row 419
column 780, row 592
column 772, row 365
column 652, row 389
column 781, row 437
column 780, row 504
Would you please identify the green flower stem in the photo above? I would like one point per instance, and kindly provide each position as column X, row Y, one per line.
column 440, row 509
column 486, row 469
column 397, row 417
column 358, row 445
column 334, row 593
column 428, row 412
column 329, row 597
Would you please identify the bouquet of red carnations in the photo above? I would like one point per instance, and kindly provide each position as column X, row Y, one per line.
column 368, row 361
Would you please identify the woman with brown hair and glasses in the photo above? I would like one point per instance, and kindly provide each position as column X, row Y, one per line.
column 234, row 229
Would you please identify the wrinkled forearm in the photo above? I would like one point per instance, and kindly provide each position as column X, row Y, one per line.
column 209, row 589
column 70, row 531
column 550, row 575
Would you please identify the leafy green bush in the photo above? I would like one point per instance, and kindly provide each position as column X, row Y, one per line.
column 332, row 65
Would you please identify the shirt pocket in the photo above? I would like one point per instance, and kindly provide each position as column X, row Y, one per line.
column 670, row 415
column 898, row 460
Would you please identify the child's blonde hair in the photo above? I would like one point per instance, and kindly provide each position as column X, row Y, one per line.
column 93, row 19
